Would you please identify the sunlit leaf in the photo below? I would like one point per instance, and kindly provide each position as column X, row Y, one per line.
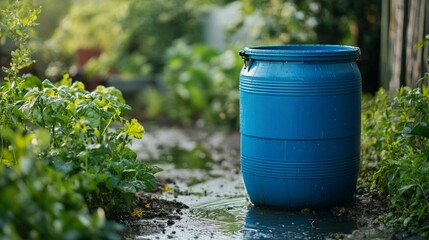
column 405, row 188
column 43, row 138
column 7, row 162
column 31, row 81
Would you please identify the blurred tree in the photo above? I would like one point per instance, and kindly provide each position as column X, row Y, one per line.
column 367, row 16
column 49, row 19
column 91, row 24
column 332, row 19
column 325, row 22
column 47, row 54
column 132, row 34
column 152, row 26
column 281, row 21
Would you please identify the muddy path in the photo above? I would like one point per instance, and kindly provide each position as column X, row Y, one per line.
column 201, row 196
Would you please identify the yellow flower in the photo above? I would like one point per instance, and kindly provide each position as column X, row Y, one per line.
column 137, row 213
column 7, row 162
column 147, row 205
column 167, row 188
column 79, row 85
column 134, row 128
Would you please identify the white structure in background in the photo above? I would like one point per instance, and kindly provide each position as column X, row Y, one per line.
column 220, row 18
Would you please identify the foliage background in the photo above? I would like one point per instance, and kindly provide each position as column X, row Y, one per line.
column 190, row 83
column 136, row 37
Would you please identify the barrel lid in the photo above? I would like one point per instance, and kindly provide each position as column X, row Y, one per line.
column 302, row 52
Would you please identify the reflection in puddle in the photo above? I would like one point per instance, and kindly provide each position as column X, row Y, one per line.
column 228, row 213
column 198, row 157
column 265, row 223
column 244, row 221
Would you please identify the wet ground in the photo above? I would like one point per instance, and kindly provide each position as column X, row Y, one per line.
column 201, row 196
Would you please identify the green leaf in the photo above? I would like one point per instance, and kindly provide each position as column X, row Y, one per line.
column 37, row 116
column 31, row 81
column 89, row 114
column 405, row 188
column 48, row 84
column 66, row 80
column 64, row 167
column 422, row 42
column 406, row 221
column 420, row 129
column 128, row 154
column 19, row 32
column 419, row 192
column 103, row 178
column 129, row 173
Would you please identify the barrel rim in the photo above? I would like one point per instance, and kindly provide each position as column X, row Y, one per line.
column 303, row 52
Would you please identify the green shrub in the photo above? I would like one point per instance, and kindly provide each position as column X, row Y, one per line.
column 395, row 151
column 404, row 172
column 377, row 133
column 133, row 35
column 83, row 140
column 202, row 83
column 73, row 143
column 37, row 202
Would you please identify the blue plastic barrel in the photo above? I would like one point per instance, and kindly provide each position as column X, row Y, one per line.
column 300, row 111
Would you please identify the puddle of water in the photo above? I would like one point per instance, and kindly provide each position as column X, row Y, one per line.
column 196, row 158
column 227, row 213
column 265, row 223
column 242, row 220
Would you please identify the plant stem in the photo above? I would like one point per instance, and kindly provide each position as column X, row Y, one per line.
column 106, row 127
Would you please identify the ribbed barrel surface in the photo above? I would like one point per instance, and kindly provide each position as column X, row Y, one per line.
column 300, row 124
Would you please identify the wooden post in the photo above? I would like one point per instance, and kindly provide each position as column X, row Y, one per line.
column 404, row 24
column 415, row 33
column 384, row 41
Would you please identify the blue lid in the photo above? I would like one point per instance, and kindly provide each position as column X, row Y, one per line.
column 302, row 52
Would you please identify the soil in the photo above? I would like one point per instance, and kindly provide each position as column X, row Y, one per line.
column 207, row 200
column 157, row 215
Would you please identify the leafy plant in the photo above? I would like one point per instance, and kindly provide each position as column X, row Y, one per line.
column 17, row 24
column 377, row 133
column 82, row 140
column 395, row 154
column 404, row 173
column 37, row 202
column 396, row 150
